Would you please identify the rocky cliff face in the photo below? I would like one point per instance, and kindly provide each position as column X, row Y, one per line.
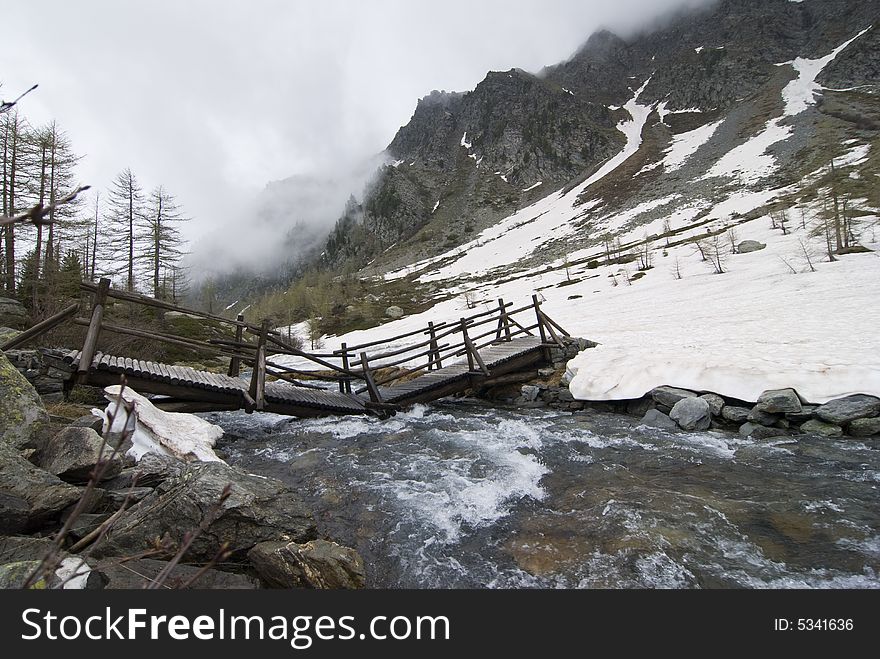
column 464, row 161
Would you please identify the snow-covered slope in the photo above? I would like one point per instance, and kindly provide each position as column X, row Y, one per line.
column 782, row 316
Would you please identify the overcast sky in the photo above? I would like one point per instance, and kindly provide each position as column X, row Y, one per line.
column 214, row 99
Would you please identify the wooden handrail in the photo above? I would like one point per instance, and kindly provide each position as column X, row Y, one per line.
column 41, row 328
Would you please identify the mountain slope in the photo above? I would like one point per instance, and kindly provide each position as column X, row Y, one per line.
column 722, row 119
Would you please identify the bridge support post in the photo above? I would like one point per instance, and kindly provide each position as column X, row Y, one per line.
column 257, row 389
column 345, row 383
column 373, row 390
column 472, row 353
column 94, row 331
column 235, row 362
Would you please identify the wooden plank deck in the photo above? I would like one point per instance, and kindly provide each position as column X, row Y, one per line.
column 226, row 392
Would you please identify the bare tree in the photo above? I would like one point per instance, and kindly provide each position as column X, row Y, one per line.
column 162, row 243
column 807, row 254
column 676, row 269
column 126, row 222
column 702, row 248
column 645, row 254
column 733, row 238
column 823, row 227
column 717, row 254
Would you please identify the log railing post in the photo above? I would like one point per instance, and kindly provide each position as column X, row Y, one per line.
column 235, row 362
column 94, row 331
column 257, row 389
column 540, row 318
column 434, row 349
column 503, row 322
column 473, row 354
column 375, row 396
column 345, row 383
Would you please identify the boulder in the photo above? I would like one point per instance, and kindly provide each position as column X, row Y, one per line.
column 257, row 509
column 735, row 414
column 640, row 406
column 46, row 495
column 805, row 414
column 657, row 419
column 73, row 454
column 757, row 431
column 315, row 564
column 747, row 246
column 850, row 408
column 669, row 396
column 7, row 334
column 153, row 469
column 817, row 427
column 135, row 574
column 530, row 392
column 22, row 415
column 691, row 414
column 24, row 548
column 716, row 403
column 14, row 574
column 13, row 513
column 394, row 312
column 13, row 314
column 764, row 418
column 779, row 401
column 865, row 427
column 96, row 423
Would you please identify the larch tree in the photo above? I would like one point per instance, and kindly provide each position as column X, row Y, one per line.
column 125, row 224
column 162, row 243
column 12, row 131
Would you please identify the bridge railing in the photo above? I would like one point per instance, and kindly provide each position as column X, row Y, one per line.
column 446, row 342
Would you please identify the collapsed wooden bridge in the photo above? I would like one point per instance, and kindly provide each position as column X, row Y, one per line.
column 379, row 377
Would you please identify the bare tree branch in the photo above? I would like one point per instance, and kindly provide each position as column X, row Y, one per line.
column 38, row 213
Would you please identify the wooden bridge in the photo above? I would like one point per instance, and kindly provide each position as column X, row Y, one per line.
column 379, row 377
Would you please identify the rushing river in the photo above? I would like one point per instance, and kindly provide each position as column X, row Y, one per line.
column 457, row 494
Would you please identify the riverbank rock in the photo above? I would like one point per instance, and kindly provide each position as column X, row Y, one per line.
column 46, row 495
column 747, row 246
column 73, row 454
column 735, row 414
column 656, row 419
column 669, row 396
column 817, row 427
column 394, row 312
column 850, row 408
column 757, row 431
column 865, row 427
column 315, row 564
column 779, row 401
column 764, row 418
column 258, row 509
column 716, row 403
column 13, row 314
column 134, row 575
column 23, row 418
column 13, row 513
column 530, row 392
column 7, row 334
column 691, row 414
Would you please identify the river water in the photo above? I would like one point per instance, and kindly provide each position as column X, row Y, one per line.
column 459, row 494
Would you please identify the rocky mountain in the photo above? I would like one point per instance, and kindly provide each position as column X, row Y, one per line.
column 467, row 160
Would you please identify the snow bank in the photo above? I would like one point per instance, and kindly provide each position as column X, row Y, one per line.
column 154, row 431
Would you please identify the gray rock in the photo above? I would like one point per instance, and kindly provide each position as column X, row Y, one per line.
column 546, row 372
column 565, row 396
column 258, row 509
column 113, row 499
column 7, row 334
column 13, row 513
column 757, row 431
column 764, row 418
column 315, row 564
column 23, row 548
column 13, row 314
column 134, row 575
column 657, row 419
column 669, row 396
column 47, row 495
column 13, row 575
column 747, row 246
column 716, row 403
column 850, row 408
column 805, row 414
column 817, row 427
column 691, row 414
column 22, row 415
column 864, row 427
column 735, row 414
column 779, row 401
column 530, row 392
column 73, row 454
column 86, row 523
column 639, row 406
column 394, row 312
column 89, row 421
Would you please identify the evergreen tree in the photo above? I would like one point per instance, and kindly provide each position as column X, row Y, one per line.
column 125, row 224
column 162, row 243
